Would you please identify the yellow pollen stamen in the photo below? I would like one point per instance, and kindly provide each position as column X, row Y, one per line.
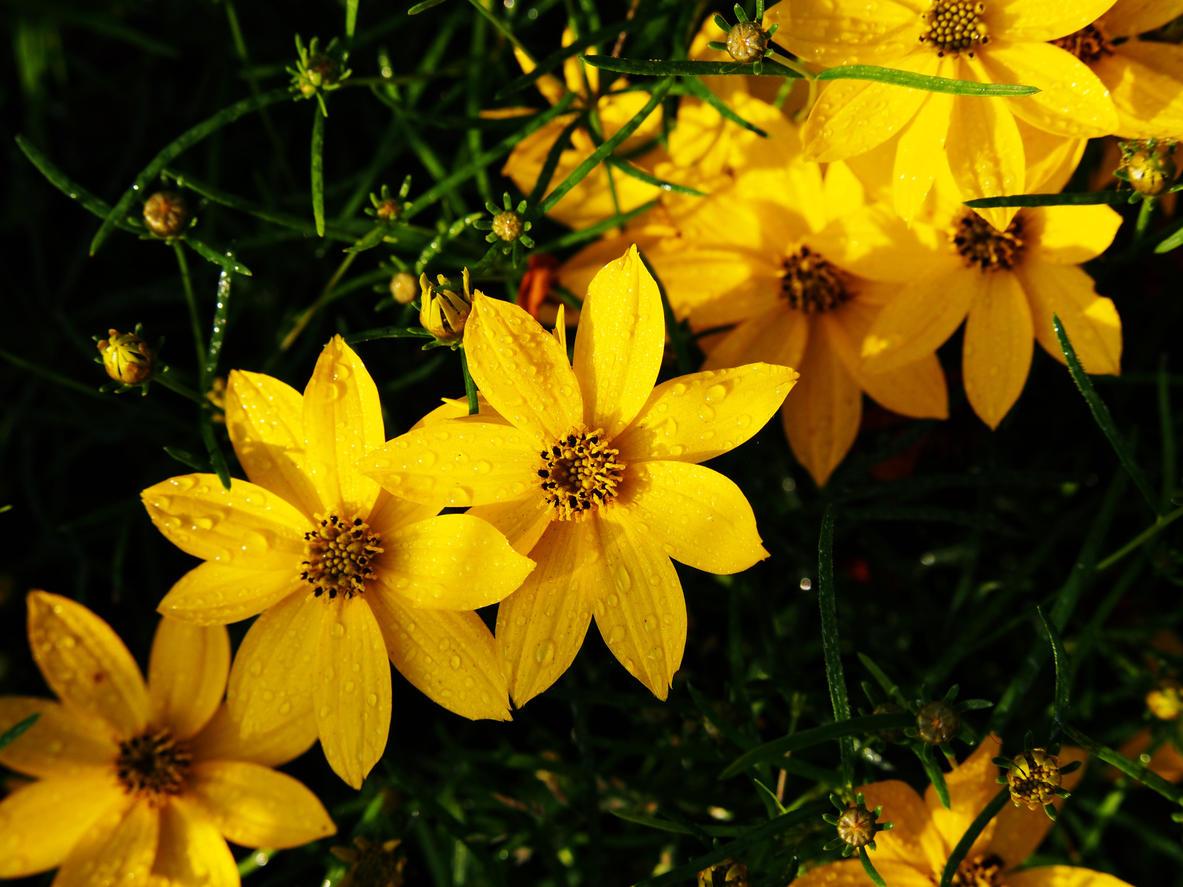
column 153, row 766
column 981, row 244
column 980, row 871
column 812, row 284
column 580, row 472
column 1089, row 44
column 339, row 556
column 1033, row 779
column 955, row 26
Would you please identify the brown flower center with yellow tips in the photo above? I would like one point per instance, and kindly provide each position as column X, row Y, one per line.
column 1089, row 44
column 812, row 284
column 153, row 766
column 1033, row 779
column 955, row 26
column 339, row 556
column 983, row 245
column 979, row 871
column 580, row 472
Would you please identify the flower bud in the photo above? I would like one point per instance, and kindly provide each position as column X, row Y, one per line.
column 1148, row 166
column 746, row 42
column 443, row 312
column 403, row 287
column 727, row 873
column 507, row 225
column 126, row 357
column 1033, row 779
column 166, row 213
column 856, row 826
column 937, row 722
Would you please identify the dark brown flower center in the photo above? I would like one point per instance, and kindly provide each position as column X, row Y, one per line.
column 153, row 765
column 979, row 871
column 580, row 472
column 339, row 556
column 1089, row 44
column 955, row 26
column 812, row 284
column 980, row 243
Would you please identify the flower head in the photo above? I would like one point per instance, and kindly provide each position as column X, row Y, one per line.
column 126, row 357
column 442, row 311
column 166, row 214
column 594, row 472
column 136, row 779
column 345, row 575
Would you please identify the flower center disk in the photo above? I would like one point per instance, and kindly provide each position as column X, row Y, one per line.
column 580, row 472
column 1089, row 44
column 981, row 871
column 955, row 26
column 983, row 245
column 812, row 284
column 153, row 765
column 339, row 556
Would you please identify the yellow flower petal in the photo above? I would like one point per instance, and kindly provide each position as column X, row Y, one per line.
column 1072, row 100
column 450, row 562
column 222, row 739
column 1146, row 81
column 214, row 594
column 245, row 525
column 119, row 848
column 641, row 612
column 1039, row 20
column 914, row 171
column 351, row 689
column 1091, row 321
column 850, row 872
column 620, row 344
column 271, row 678
column 257, row 807
column 846, row 32
column 716, row 287
column 522, row 521
column 778, row 336
column 342, row 422
column 875, row 244
column 696, row 515
column 1018, row 831
column 985, row 150
column 458, row 462
column 918, row 320
column 187, row 673
column 85, row 663
column 1062, row 876
column 911, row 840
column 1051, row 159
column 851, row 117
column 391, row 513
column 40, row 823
column 265, row 420
column 61, row 742
column 450, row 657
column 821, row 418
column 521, row 369
column 1070, row 235
column 541, row 626
column 999, row 341
column 972, row 784
column 698, row 416
column 191, row 850
column 1128, row 18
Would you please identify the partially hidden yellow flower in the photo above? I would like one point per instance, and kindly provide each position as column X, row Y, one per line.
column 923, row 834
column 606, row 191
column 1006, row 285
column 134, row 782
column 594, row 472
column 343, row 573
column 993, row 41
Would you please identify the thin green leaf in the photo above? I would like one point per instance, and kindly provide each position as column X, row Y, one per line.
column 1136, row 771
column 423, row 6
column 649, row 179
column 926, row 82
column 1102, row 416
column 470, row 391
column 369, row 240
column 350, row 19
column 1060, row 662
column 224, row 260
column 217, row 333
column 1163, row 521
column 10, row 735
column 971, row 834
column 318, row 171
column 1172, row 241
column 388, row 332
column 553, row 156
column 544, row 66
column 695, row 87
column 828, row 606
column 778, row 748
column 874, row 875
column 933, row 771
column 1081, row 198
column 683, row 67
column 186, row 458
column 216, row 460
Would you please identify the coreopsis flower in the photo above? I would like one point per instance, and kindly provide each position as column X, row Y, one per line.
column 140, row 783
column 606, row 191
column 994, row 41
column 594, row 472
column 924, row 833
column 1006, row 284
column 343, row 573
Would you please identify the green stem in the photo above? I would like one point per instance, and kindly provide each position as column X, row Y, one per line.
column 1163, row 521
column 828, row 605
column 869, row 868
column 318, row 171
column 194, row 317
column 1137, row 772
column 164, row 377
column 323, row 299
column 778, row 748
column 971, row 834
column 469, row 385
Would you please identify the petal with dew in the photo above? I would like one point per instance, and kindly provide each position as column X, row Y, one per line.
column 920, row 319
column 844, row 32
column 1145, row 79
column 1018, row 831
column 972, row 785
column 265, row 420
column 42, row 822
column 521, row 369
column 1091, row 322
column 450, row 657
column 1129, row 18
column 86, row 664
column 696, row 515
column 342, row 422
column 257, row 807
column 1029, row 21
column 187, row 673
column 821, row 417
column 119, row 848
column 999, row 342
column 450, row 562
column 191, row 850
column 777, row 336
column 620, row 343
column 1070, row 235
column 985, row 153
column 850, row 872
column 217, row 594
column 699, row 416
column 62, row 742
column 521, row 521
column 351, row 689
column 222, row 739
column 914, row 172
column 1062, row 876
column 911, row 840
column 541, row 626
column 245, row 525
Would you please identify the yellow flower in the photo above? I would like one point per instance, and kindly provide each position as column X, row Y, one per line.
column 1006, row 285
column 923, row 834
column 593, row 471
column 1144, row 77
column 605, row 191
column 343, row 573
column 136, row 780
column 994, row 41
